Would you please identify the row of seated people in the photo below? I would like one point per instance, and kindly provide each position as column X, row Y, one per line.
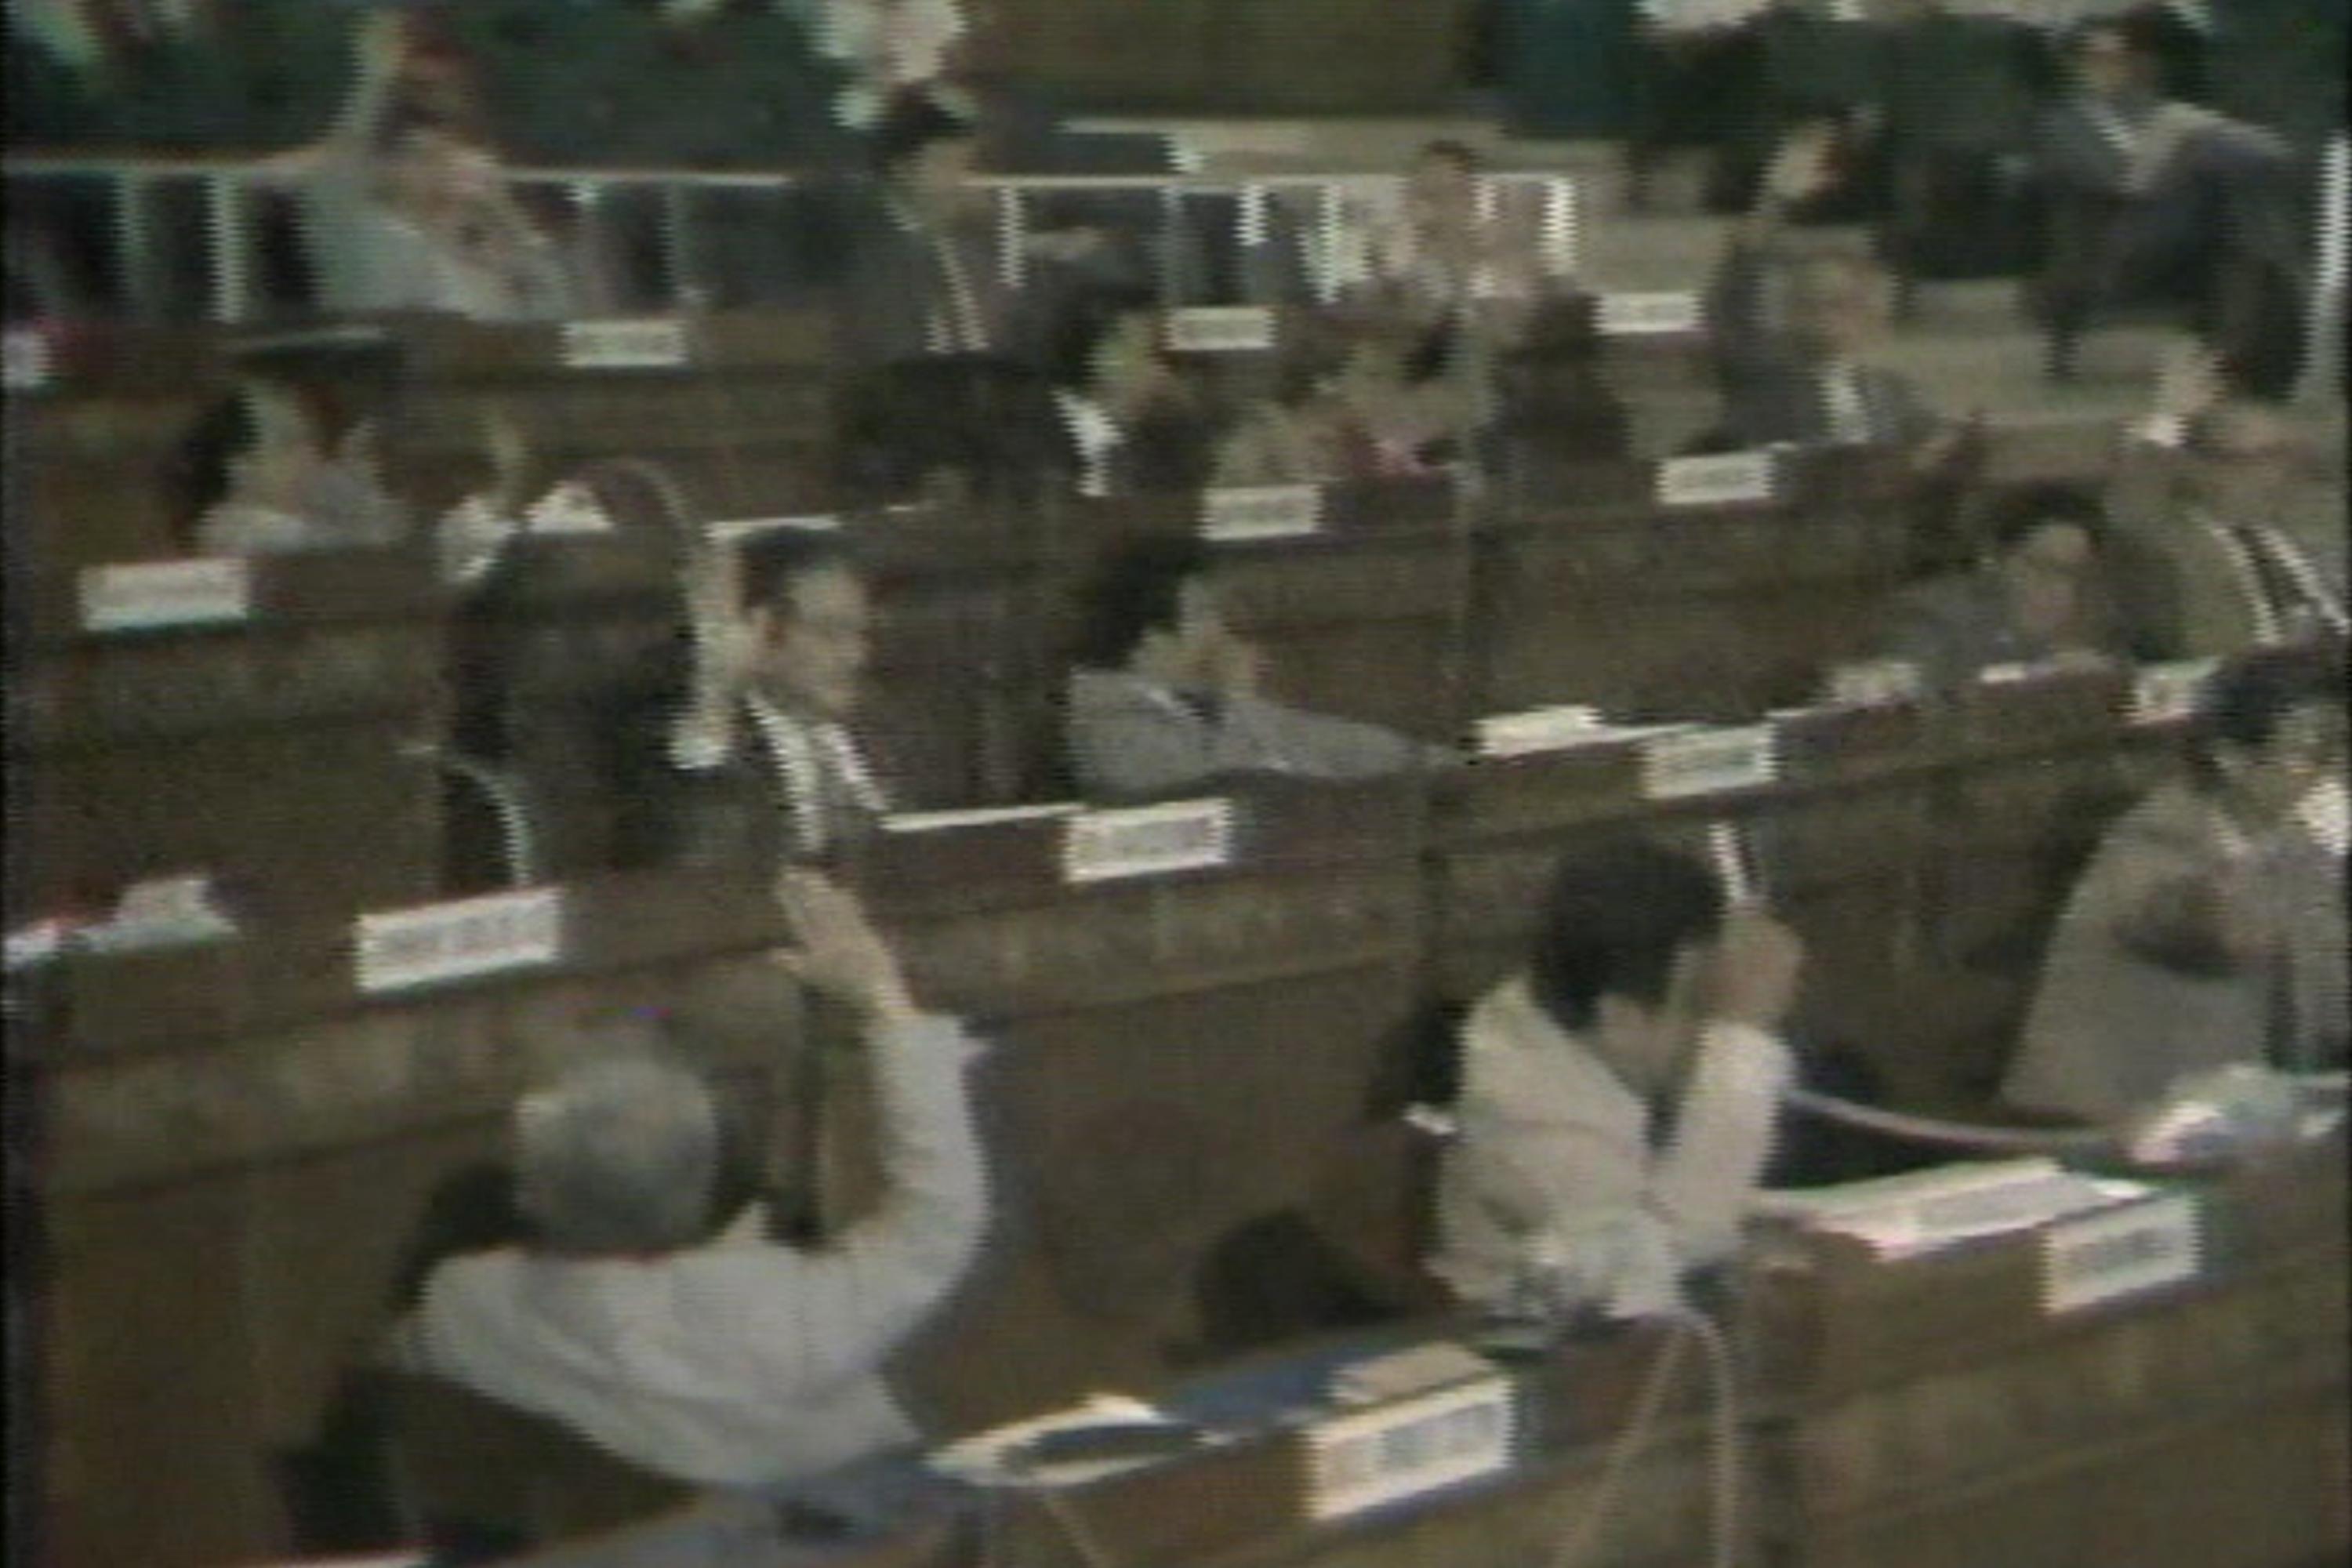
column 682, row 83
column 1617, row 1105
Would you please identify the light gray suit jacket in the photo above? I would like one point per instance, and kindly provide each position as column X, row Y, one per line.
column 1129, row 738
column 2125, row 1006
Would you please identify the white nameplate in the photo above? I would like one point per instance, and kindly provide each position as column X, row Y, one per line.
column 1719, row 480
column 569, row 508
column 2118, row 1252
column 1147, row 840
column 651, row 342
column 1220, row 329
column 398, row 949
column 1366, row 1458
column 2326, row 813
column 979, row 816
column 1261, row 511
column 1706, row 762
column 1540, row 730
column 2167, row 693
column 25, row 361
column 37, row 944
column 212, row 592
column 735, row 530
column 1635, row 315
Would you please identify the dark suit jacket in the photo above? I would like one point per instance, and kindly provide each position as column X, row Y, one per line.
column 892, row 283
column 737, row 816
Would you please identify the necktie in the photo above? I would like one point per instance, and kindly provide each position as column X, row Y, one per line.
column 2293, row 594
column 1849, row 415
column 965, row 332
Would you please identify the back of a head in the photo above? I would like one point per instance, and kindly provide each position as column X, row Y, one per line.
column 2018, row 511
column 773, row 559
column 913, row 120
column 2244, row 704
column 201, row 473
column 1082, row 324
column 620, row 1154
column 1138, row 589
column 1614, row 923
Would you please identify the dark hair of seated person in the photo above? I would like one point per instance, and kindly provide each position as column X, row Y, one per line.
column 1080, row 327
column 2245, row 703
column 198, row 471
column 913, row 120
column 773, row 559
column 1168, row 448
column 1614, row 921
column 2019, row 512
column 1138, row 589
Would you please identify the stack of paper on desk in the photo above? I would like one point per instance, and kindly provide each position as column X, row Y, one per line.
column 1923, row 1211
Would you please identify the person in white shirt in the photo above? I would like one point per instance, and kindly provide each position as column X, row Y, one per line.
column 733, row 1360
column 1620, row 1094
column 1166, row 697
column 754, row 765
column 258, row 476
column 405, row 211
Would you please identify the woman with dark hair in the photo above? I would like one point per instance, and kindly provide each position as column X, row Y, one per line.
column 1165, row 697
column 2209, row 928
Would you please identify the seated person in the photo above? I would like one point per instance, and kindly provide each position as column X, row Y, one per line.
column 406, row 210
column 2026, row 601
column 2220, row 547
column 1619, row 1097
column 1792, row 330
column 724, row 1360
column 256, row 478
column 1292, row 436
column 2173, row 194
column 1165, row 698
column 1443, row 258
column 919, row 272
column 743, row 758
column 2209, row 928
column 1552, row 406
column 1130, row 424
column 1405, row 398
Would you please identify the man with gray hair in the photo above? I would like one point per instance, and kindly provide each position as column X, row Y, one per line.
column 728, row 1360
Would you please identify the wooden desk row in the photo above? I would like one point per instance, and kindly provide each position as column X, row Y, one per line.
column 1938, row 1410
column 1399, row 608
column 238, row 1136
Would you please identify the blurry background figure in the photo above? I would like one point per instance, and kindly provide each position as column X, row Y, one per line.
column 2151, row 198
column 2210, row 926
column 408, row 210
column 1292, row 435
column 2224, row 541
column 2033, row 597
column 1130, row 423
column 886, row 47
